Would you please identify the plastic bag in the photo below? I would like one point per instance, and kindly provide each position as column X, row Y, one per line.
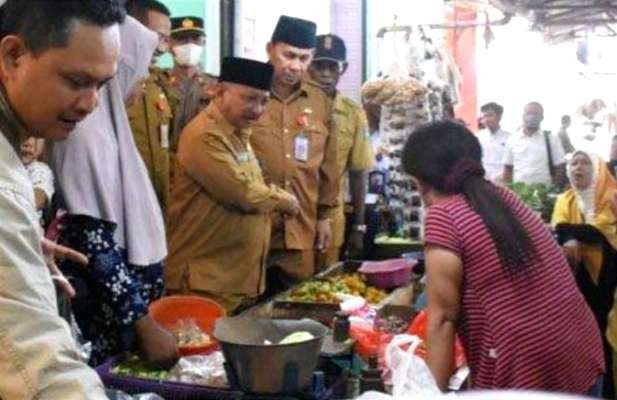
column 206, row 370
column 120, row 395
column 85, row 347
column 410, row 374
column 418, row 328
column 369, row 341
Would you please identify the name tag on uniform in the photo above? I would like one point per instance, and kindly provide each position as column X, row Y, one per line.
column 165, row 136
column 301, row 148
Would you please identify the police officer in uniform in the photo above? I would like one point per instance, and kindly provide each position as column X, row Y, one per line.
column 220, row 210
column 355, row 155
column 187, row 87
column 150, row 114
column 292, row 140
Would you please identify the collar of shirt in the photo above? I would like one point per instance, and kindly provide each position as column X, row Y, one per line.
column 10, row 125
column 176, row 78
column 213, row 112
column 521, row 133
column 500, row 133
column 339, row 104
column 297, row 92
column 13, row 174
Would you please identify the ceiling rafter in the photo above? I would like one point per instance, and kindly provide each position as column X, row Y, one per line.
column 562, row 19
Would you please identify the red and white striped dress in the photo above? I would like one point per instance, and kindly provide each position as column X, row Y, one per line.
column 533, row 331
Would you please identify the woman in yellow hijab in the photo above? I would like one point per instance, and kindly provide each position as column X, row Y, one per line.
column 585, row 223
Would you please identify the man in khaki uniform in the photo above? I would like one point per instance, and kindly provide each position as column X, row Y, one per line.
column 355, row 155
column 292, row 141
column 187, row 87
column 150, row 115
column 220, row 206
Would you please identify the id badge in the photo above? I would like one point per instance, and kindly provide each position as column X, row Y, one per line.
column 301, row 148
column 165, row 136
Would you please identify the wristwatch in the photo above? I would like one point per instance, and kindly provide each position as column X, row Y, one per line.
column 359, row 228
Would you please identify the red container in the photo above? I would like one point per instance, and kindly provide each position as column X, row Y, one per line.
column 388, row 274
column 167, row 311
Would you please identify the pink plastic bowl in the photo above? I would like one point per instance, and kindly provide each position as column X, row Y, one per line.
column 388, row 274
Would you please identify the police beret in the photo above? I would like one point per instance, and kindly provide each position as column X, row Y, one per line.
column 330, row 47
column 295, row 32
column 247, row 72
column 187, row 24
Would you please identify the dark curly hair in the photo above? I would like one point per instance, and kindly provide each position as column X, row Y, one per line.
column 45, row 24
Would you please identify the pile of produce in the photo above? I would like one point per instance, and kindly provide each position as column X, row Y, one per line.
column 203, row 370
column 392, row 324
column 393, row 91
column 325, row 291
column 537, row 196
column 133, row 366
column 385, row 239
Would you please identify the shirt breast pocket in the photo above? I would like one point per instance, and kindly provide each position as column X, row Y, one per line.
column 309, row 146
column 519, row 150
column 317, row 134
column 344, row 134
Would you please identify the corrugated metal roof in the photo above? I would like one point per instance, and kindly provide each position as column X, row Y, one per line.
column 565, row 19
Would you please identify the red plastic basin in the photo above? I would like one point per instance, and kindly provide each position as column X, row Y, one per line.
column 167, row 311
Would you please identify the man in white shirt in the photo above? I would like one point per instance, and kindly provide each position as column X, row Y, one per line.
column 54, row 57
column 534, row 156
column 493, row 141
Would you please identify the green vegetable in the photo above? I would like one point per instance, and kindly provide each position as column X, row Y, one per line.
column 537, row 196
column 135, row 367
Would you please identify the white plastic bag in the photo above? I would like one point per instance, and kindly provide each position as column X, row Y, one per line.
column 410, row 374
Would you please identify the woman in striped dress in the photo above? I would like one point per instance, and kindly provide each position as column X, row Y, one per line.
column 496, row 277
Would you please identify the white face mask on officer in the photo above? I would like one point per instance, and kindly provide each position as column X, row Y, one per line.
column 188, row 55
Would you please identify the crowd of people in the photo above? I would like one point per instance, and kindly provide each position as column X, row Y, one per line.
column 157, row 181
column 122, row 181
column 476, row 232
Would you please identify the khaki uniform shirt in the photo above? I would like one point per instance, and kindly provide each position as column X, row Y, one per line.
column 219, row 212
column 187, row 97
column 355, row 153
column 39, row 358
column 303, row 118
column 150, row 119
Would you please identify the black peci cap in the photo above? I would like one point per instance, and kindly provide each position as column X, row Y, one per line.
column 295, row 32
column 242, row 71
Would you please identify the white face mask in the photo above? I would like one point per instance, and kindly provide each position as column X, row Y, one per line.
column 188, row 55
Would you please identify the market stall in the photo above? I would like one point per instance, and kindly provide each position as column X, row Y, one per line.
column 334, row 313
column 417, row 83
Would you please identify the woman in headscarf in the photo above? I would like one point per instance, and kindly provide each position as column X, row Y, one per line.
column 114, row 217
column 586, row 226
